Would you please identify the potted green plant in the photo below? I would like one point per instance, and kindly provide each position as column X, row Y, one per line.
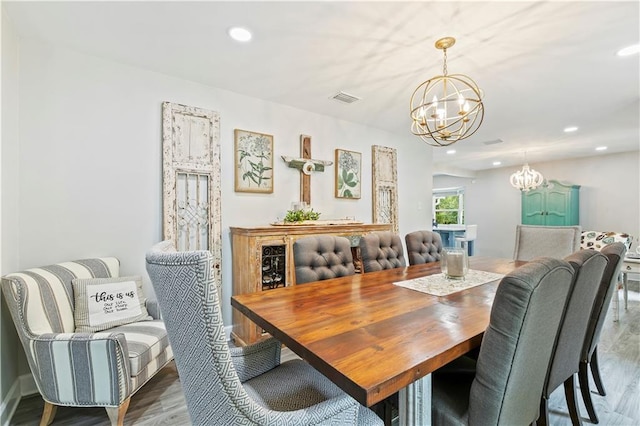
column 297, row 216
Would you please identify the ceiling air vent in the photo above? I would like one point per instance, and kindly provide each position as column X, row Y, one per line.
column 345, row 97
column 493, row 142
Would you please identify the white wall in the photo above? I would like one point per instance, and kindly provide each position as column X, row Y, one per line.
column 609, row 198
column 90, row 160
column 10, row 349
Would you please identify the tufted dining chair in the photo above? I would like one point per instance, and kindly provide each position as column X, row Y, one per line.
column 552, row 241
column 589, row 267
column 589, row 355
column 381, row 250
column 505, row 385
column 322, row 257
column 423, row 247
column 237, row 386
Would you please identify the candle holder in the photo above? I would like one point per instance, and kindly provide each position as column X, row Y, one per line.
column 454, row 263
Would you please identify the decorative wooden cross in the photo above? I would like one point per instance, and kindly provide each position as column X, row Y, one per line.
column 306, row 165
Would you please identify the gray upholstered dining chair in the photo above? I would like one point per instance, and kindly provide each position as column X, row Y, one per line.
column 552, row 241
column 589, row 268
column 322, row 257
column 381, row 250
column 589, row 355
column 516, row 347
column 423, row 247
column 233, row 386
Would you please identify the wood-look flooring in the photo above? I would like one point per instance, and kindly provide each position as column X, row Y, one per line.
column 161, row 401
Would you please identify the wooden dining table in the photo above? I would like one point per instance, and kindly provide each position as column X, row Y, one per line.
column 373, row 338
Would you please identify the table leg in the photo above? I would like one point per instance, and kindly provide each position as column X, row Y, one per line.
column 625, row 278
column 615, row 304
column 415, row 403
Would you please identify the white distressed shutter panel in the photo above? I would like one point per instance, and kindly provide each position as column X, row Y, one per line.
column 191, row 180
column 385, row 185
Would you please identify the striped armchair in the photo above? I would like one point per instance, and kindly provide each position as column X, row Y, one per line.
column 98, row 369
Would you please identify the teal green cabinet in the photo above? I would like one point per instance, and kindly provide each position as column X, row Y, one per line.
column 551, row 204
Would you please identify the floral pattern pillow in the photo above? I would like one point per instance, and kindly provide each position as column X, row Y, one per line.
column 596, row 240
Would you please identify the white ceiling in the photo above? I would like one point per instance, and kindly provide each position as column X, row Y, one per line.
column 542, row 65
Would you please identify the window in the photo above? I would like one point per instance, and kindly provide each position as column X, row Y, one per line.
column 448, row 206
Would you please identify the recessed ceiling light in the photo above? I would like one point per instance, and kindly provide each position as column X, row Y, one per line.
column 497, row 163
column 570, row 129
column 240, row 34
column 451, row 151
column 601, row 148
column 629, row 50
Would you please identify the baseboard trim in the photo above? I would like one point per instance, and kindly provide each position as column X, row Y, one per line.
column 23, row 386
column 10, row 403
column 227, row 332
column 28, row 385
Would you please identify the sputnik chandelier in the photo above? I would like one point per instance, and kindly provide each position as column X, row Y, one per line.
column 446, row 108
column 526, row 179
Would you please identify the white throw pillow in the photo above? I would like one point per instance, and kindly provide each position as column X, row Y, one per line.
column 103, row 303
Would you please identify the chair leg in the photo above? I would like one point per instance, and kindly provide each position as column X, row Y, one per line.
column 583, row 376
column 570, row 396
column 48, row 413
column 625, row 289
column 543, row 419
column 116, row 414
column 595, row 372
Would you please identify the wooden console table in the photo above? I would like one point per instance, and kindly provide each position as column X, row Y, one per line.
column 263, row 260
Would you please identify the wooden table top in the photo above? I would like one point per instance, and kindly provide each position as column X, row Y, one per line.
column 373, row 338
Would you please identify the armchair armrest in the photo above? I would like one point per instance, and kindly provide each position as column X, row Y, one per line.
column 252, row 360
column 82, row 368
column 153, row 308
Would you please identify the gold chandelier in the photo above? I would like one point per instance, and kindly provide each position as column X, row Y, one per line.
column 446, row 108
column 526, row 179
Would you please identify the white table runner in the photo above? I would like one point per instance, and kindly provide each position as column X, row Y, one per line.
column 439, row 285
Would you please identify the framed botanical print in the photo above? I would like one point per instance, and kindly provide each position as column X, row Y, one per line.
column 348, row 174
column 253, row 161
